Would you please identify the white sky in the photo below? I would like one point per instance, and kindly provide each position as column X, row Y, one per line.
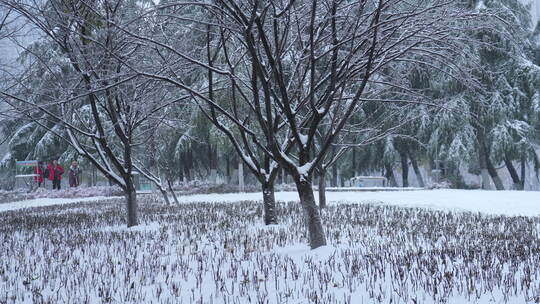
column 535, row 10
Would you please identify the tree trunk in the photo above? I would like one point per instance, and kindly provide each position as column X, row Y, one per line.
column 181, row 175
column 316, row 234
column 210, row 155
column 404, row 169
column 483, row 170
column 322, row 189
column 131, row 197
column 485, row 179
column 334, row 179
column 417, row 171
column 241, row 176
column 172, row 192
column 334, row 182
column 523, row 163
column 494, row 175
column 94, row 176
column 485, row 163
column 185, row 166
column 390, row 177
column 513, row 173
column 188, row 163
column 165, row 196
column 354, row 165
column 269, row 202
column 228, row 169
column 482, row 160
column 215, row 159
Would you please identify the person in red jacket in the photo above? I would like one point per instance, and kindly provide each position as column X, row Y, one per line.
column 39, row 171
column 55, row 174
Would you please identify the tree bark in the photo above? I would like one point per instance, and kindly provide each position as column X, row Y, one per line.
column 354, row 165
column 494, row 175
column 334, row 182
column 228, row 168
column 94, row 176
column 210, row 154
column 483, row 169
column 485, row 179
column 188, row 163
column 513, row 173
column 165, row 196
column 316, row 234
column 485, row 162
column 269, row 202
column 390, row 177
column 131, row 197
column 172, row 192
column 180, row 174
column 417, row 171
column 241, row 176
column 404, row 169
column 322, row 189
column 523, row 163
column 483, row 159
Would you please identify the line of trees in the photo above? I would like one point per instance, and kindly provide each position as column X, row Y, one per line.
column 178, row 89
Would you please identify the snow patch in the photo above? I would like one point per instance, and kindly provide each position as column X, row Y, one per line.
column 5, row 160
column 303, row 139
column 511, row 203
column 43, row 202
column 481, row 5
column 302, row 252
column 303, row 170
column 249, row 161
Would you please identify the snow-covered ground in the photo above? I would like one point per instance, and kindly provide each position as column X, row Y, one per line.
column 525, row 203
column 43, row 202
column 214, row 249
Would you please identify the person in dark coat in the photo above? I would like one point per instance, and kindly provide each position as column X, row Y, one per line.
column 55, row 174
column 74, row 174
column 40, row 173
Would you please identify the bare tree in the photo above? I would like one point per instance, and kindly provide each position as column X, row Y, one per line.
column 297, row 66
column 279, row 79
column 107, row 111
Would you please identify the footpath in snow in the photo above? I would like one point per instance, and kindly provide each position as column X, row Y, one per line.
column 526, row 203
column 43, row 202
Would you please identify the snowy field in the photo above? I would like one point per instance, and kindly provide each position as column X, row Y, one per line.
column 214, row 249
column 525, row 203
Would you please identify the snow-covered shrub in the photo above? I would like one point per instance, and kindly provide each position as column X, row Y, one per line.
column 203, row 187
column 79, row 192
column 12, row 196
column 440, row 185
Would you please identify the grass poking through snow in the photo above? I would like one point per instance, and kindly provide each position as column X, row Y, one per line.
column 221, row 253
